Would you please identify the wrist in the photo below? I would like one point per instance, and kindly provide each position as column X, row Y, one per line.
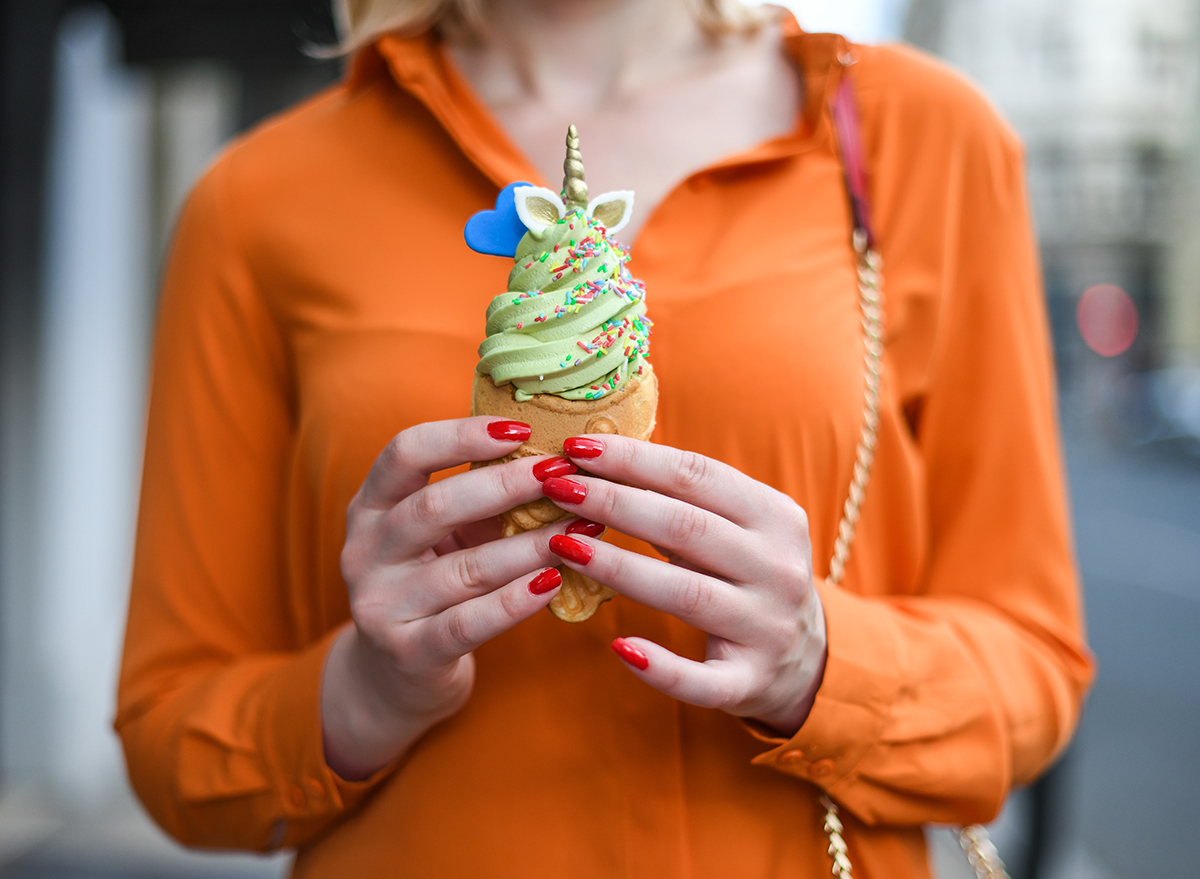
column 365, row 722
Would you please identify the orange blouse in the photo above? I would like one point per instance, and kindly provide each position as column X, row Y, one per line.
column 320, row 298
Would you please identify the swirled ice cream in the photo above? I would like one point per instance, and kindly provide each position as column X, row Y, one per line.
column 573, row 322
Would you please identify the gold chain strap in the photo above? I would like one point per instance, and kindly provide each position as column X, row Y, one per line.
column 981, row 852
column 870, row 298
column 837, row 845
column 975, row 842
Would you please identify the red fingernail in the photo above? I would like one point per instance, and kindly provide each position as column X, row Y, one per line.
column 571, row 549
column 543, row 470
column 509, row 431
column 564, row 491
column 582, row 447
column 545, row 581
column 631, row 654
column 586, row 527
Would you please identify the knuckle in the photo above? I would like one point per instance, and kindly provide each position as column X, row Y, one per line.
column 459, row 631
column 363, row 612
column 429, row 504
column 465, row 432
column 673, row 679
column 510, row 480
column 510, row 604
column 606, row 500
column 797, row 518
column 359, row 554
column 796, row 576
column 621, row 451
column 694, row 595
column 351, row 563
column 691, row 472
column 722, row 695
column 469, row 570
column 354, row 511
column 685, row 524
column 398, row 451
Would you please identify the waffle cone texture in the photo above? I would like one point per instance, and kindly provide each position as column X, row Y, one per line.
column 628, row 412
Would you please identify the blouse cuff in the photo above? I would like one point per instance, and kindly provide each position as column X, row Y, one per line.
column 307, row 793
column 852, row 704
column 311, row 789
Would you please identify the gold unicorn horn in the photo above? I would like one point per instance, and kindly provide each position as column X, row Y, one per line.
column 575, row 191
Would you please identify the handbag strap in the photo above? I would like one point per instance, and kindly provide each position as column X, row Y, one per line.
column 975, row 842
column 870, row 298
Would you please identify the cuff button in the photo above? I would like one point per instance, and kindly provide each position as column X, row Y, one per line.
column 821, row 768
column 792, row 756
column 296, row 797
column 315, row 789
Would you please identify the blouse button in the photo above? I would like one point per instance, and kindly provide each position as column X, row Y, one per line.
column 821, row 768
column 792, row 756
column 296, row 796
column 315, row 789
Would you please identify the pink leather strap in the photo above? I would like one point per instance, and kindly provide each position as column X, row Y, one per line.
column 849, row 142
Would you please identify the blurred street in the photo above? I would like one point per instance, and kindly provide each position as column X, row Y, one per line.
column 1135, row 763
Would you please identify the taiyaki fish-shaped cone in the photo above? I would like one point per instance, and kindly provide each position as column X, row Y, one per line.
column 628, row 412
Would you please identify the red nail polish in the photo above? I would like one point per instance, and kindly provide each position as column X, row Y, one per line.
column 571, row 549
column 543, row 470
column 631, row 654
column 509, row 431
column 545, row 581
column 586, row 527
column 582, row 447
column 564, row 491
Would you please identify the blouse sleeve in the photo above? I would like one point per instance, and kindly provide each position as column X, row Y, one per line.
column 218, row 706
column 933, row 706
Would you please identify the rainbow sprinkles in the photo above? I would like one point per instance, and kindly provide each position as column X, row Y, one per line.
column 573, row 322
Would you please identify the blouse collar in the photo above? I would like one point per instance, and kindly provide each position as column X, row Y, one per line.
column 421, row 66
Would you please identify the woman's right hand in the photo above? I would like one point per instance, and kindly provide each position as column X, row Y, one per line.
column 429, row 583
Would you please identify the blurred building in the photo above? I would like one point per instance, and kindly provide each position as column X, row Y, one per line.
column 1104, row 96
column 110, row 112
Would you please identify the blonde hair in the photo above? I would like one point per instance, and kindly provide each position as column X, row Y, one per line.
column 361, row 21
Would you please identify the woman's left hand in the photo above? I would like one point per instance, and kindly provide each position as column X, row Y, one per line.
column 739, row 568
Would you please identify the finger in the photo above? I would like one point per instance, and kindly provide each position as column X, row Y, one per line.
column 717, row 683
column 687, row 476
column 471, row 534
column 702, row 538
column 464, row 627
column 413, row 455
column 464, row 575
column 702, row 601
column 427, row 516
column 448, row 544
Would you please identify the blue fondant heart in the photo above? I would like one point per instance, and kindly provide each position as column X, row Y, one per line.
column 499, row 231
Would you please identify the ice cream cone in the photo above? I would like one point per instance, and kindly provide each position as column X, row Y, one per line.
column 566, row 344
column 628, row 412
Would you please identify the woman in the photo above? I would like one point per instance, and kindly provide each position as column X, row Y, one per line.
column 385, row 694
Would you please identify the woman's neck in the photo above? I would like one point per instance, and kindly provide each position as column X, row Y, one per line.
column 577, row 55
column 654, row 97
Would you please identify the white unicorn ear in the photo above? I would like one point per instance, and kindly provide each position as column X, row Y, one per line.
column 538, row 208
column 612, row 209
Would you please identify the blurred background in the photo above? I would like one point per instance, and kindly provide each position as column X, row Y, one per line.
column 111, row 110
